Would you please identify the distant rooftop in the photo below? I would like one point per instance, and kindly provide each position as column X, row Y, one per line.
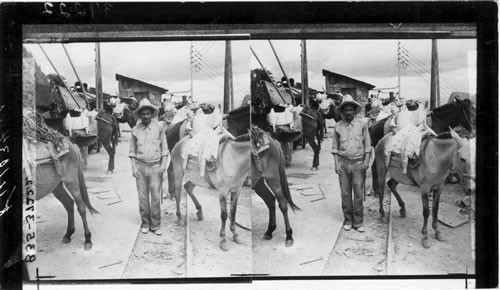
column 329, row 73
column 119, row 77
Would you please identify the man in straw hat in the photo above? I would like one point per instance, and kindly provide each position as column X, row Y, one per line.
column 351, row 150
column 148, row 153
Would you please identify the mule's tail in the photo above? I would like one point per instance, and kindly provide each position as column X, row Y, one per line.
column 83, row 186
column 83, row 191
column 284, row 182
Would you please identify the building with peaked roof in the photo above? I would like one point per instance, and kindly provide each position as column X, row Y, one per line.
column 335, row 82
column 130, row 87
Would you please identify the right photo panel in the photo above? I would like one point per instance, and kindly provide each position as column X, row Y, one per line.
column 363, row 156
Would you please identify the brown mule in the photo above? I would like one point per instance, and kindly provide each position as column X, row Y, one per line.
column 68, row 186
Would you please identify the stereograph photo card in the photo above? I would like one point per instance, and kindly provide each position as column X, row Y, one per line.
column 294, row 145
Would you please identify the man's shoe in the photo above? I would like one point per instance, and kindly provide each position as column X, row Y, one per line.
column 144, row 230
column 157, row 232
column 360, row 229
column 347, row 227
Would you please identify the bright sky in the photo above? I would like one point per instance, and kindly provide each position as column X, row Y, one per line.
column 167, row 64
column 375, row 62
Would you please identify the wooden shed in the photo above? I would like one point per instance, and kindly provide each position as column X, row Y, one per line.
column 130, row 87
column 335, row 82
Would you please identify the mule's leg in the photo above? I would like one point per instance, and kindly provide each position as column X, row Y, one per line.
column 275, row 187
column 287, row 151
column 435, row 210
column 189, row 186
column 171, row 181
column 425, row 212
column 379, row 190
column 315, row 148
column 374, row 178
column 73, row 188
column 84, row 154
column 392, row 185
column 68, row 204
column 270, row 200
column 223, row 217
column 232, row 226
column 111, row 162
column 178, row 188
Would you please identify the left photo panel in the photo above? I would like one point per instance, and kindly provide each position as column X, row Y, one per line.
column 136, row 158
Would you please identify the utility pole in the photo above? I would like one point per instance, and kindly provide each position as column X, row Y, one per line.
column 98, row 78
column 399, row 69
column 305, row 84
column 283, row 71
column 435, row 99
column 76, row 73
column 228, row 80
column 191, row 66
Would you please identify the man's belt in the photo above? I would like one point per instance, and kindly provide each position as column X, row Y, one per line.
column 148, row 162
column 352, row 159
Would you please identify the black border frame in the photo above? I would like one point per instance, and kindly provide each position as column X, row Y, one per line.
column 483, row 13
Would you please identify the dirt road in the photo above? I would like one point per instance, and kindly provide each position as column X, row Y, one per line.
column 320, row 248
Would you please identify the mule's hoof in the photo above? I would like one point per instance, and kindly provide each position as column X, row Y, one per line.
column 314, row 168
column 426, row 243
column 66, row 240
column 237, row 239
column 181, row 222
column 440, row 237
column 289, row 243
column 402, row 212
column 224, row 246
column 200, row 215
column 172, row 197
column 109, row 172
column 88, row 246
column 267, row 237
column 384, row 220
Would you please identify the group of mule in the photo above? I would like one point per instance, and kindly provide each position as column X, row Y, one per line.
column 240, row 157
column 234, row 165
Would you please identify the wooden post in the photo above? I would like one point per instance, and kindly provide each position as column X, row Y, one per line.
column 77, row 76
column 98, row 78
column 228, row 80
column 434, row 76
column 284, row 73
column 265, row 71
column 60, row 77
column 305, row 84
column 399, row 69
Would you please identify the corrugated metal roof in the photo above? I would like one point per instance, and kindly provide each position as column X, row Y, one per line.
column 329, row 73
column 118, row 77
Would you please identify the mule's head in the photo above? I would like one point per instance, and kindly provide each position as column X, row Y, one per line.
column 465, row 162
column 468, row 114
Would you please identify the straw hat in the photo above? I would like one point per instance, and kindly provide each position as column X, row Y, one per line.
column 145, row 103
column 348, row 100
column 412, row 105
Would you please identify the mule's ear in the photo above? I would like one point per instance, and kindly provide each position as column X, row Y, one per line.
column 456, row 137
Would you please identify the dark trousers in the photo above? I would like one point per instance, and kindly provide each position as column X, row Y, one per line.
column 352, row 180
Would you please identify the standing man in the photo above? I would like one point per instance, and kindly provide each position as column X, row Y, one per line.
column 148, row 153
column 351, row 150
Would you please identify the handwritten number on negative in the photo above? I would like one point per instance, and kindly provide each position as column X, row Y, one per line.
column 47, row 5
column 31, row 217
column 29, row 237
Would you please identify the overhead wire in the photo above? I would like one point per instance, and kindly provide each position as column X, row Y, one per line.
column 218, row 71
column 444, row 83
